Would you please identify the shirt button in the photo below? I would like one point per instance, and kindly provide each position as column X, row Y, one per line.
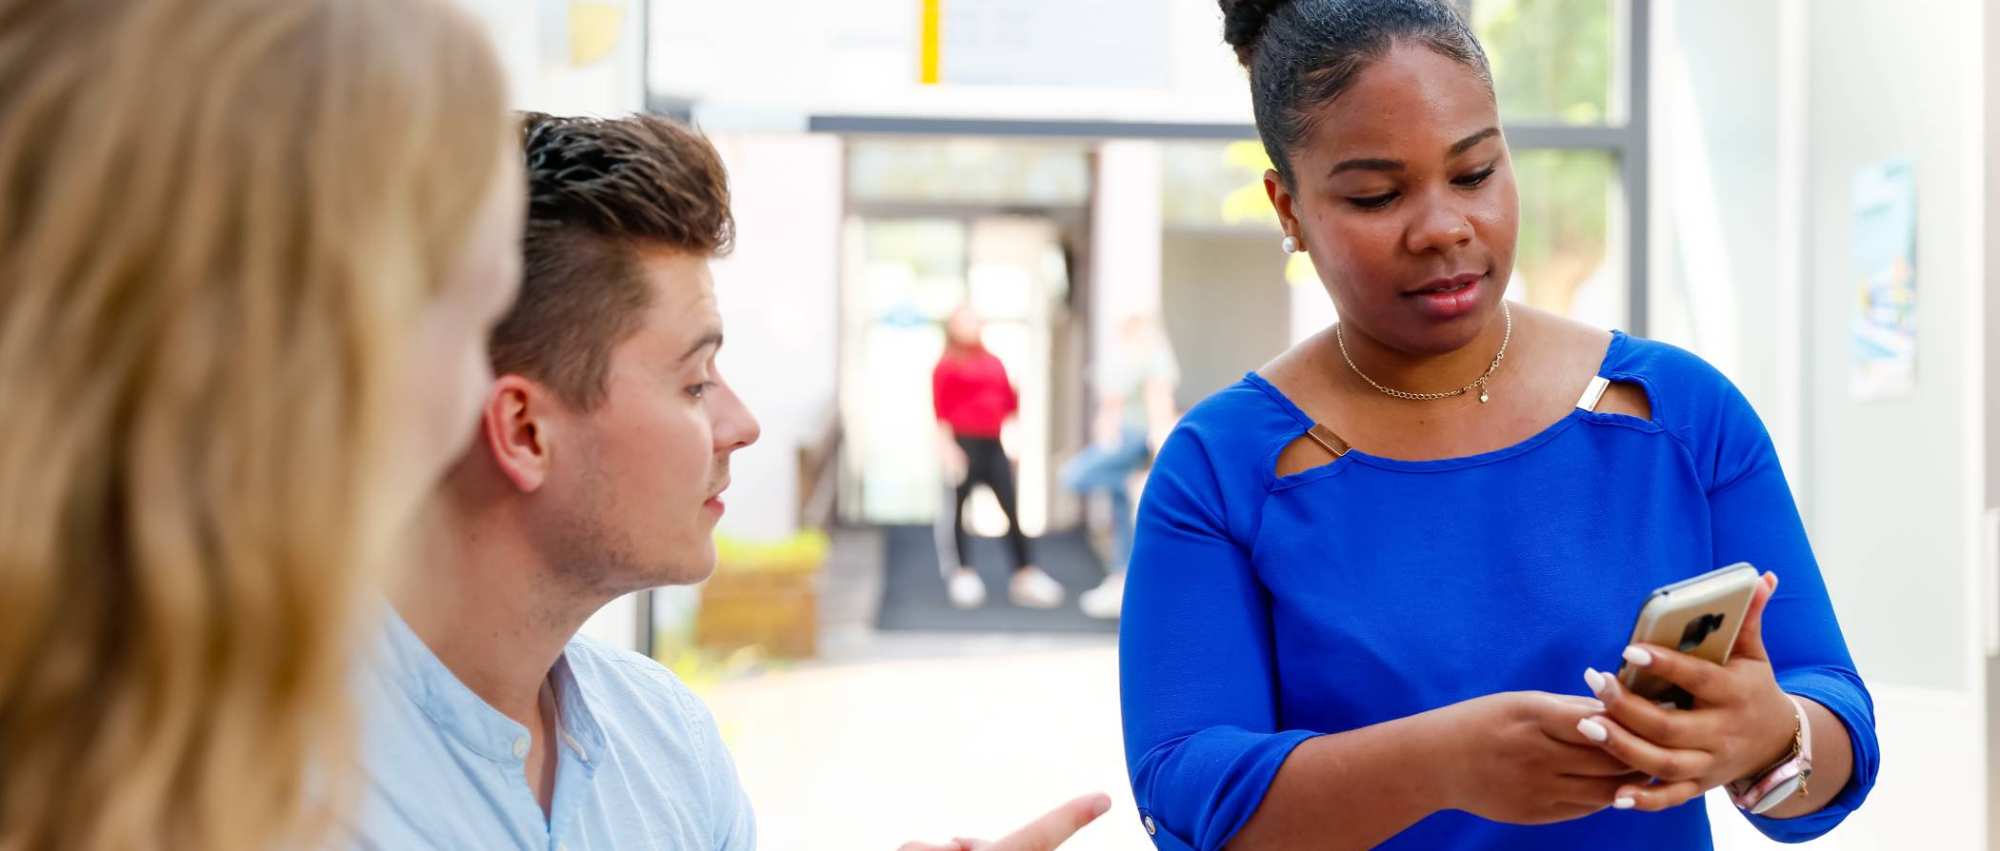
column 1151, row 828
column 521, row 748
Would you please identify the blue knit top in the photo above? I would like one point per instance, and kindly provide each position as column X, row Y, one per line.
column 1261, row 611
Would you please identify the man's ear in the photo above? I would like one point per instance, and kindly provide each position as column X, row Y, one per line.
column 517, row 431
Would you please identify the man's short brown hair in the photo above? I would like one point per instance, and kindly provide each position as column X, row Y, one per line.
column 599, row 191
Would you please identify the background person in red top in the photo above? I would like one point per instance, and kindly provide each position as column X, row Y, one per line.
column 973, row 398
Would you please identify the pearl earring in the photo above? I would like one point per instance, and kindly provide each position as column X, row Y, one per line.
column 1291, row 244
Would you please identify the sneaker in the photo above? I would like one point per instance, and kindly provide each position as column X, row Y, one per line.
column 1106, row 599
column 1033, row 589
column 967, row 591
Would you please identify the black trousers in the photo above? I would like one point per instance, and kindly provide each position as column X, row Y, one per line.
column 986, row 463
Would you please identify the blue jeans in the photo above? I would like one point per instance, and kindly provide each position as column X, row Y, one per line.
column 1106, row 468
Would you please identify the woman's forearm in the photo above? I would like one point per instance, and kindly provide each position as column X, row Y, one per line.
column 1351, row 790
column 1833, row 764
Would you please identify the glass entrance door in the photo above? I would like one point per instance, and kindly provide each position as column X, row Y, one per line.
column 904, row 276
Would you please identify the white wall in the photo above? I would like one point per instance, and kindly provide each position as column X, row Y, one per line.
column 1715, row 202
column 1892, row 483
column 1125, row 236
column 1896, row 484
column 1763, row 112
column 861, row 57
column 1226, row 304
column 1990, row 556
column 778, row 293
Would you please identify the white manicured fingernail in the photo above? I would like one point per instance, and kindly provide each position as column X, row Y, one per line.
column 1624, row 802
column 1638, row 656
column 1592, row 730
column 1595, row 680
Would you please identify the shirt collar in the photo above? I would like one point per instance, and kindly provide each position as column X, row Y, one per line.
column 462, row 714
column 575, row 719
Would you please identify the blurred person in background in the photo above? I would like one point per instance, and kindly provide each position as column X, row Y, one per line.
column 601, row 456
column 1135, row 411
column 1368, row 577
column 251, row 251
column 973, row 399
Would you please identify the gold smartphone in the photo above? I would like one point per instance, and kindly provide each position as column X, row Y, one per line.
column 1698, row 616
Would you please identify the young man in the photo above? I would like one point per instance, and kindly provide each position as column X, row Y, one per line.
column 602, row 454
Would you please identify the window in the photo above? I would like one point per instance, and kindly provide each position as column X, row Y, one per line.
column 1565, row 257
column 1564, row 72
column 935, row 223
column 1554, row 61
column 967, row 170
column 1570, row 76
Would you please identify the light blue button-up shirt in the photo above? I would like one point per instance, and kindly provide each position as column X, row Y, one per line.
column 640, row 764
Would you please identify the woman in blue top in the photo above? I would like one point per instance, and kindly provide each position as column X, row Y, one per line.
column 1366, row 575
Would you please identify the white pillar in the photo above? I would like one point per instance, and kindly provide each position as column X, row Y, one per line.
column 778, row 292
column 1125, row 237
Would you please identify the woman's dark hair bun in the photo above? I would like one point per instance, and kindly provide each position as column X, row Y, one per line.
column 1243, row 22
column 1302, row 54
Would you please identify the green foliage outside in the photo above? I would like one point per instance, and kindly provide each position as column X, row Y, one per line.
column 1553, row 62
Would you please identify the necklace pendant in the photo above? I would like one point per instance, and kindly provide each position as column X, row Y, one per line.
column 1482, row 395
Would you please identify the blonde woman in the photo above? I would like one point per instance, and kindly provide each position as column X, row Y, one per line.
column 238, row 240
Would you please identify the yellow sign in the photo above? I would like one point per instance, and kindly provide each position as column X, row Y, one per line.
column 590, row 31
column 933, row 13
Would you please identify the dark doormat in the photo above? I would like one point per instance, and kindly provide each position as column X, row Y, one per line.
column 913, row 591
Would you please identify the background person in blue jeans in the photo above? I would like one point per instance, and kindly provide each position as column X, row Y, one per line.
column 1366, row 575
column 1135, row 410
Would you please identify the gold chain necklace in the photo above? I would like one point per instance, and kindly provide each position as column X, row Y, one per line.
column 1340, row 335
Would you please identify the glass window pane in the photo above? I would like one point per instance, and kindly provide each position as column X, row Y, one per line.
column 900, row 479
column 1569, row 255
column 903, row 278
column 1225, row 306
column 1216, row 185
column 914, row 267
column 1554, row 61
column 972, row 171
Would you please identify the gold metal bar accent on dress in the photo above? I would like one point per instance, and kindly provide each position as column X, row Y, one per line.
column 1327, row 440
column 1594, row 393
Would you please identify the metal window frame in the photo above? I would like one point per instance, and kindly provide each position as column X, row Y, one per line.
column 1635, row 161
column 644, row 628
column 1627, row 143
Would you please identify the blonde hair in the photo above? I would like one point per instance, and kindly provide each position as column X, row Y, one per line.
column 219, row 220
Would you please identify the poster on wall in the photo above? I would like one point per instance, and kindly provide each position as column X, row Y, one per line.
column 1884, row 326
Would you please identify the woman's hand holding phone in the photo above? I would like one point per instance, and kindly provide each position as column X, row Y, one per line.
column 1741, row 723
column 1517, row 757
